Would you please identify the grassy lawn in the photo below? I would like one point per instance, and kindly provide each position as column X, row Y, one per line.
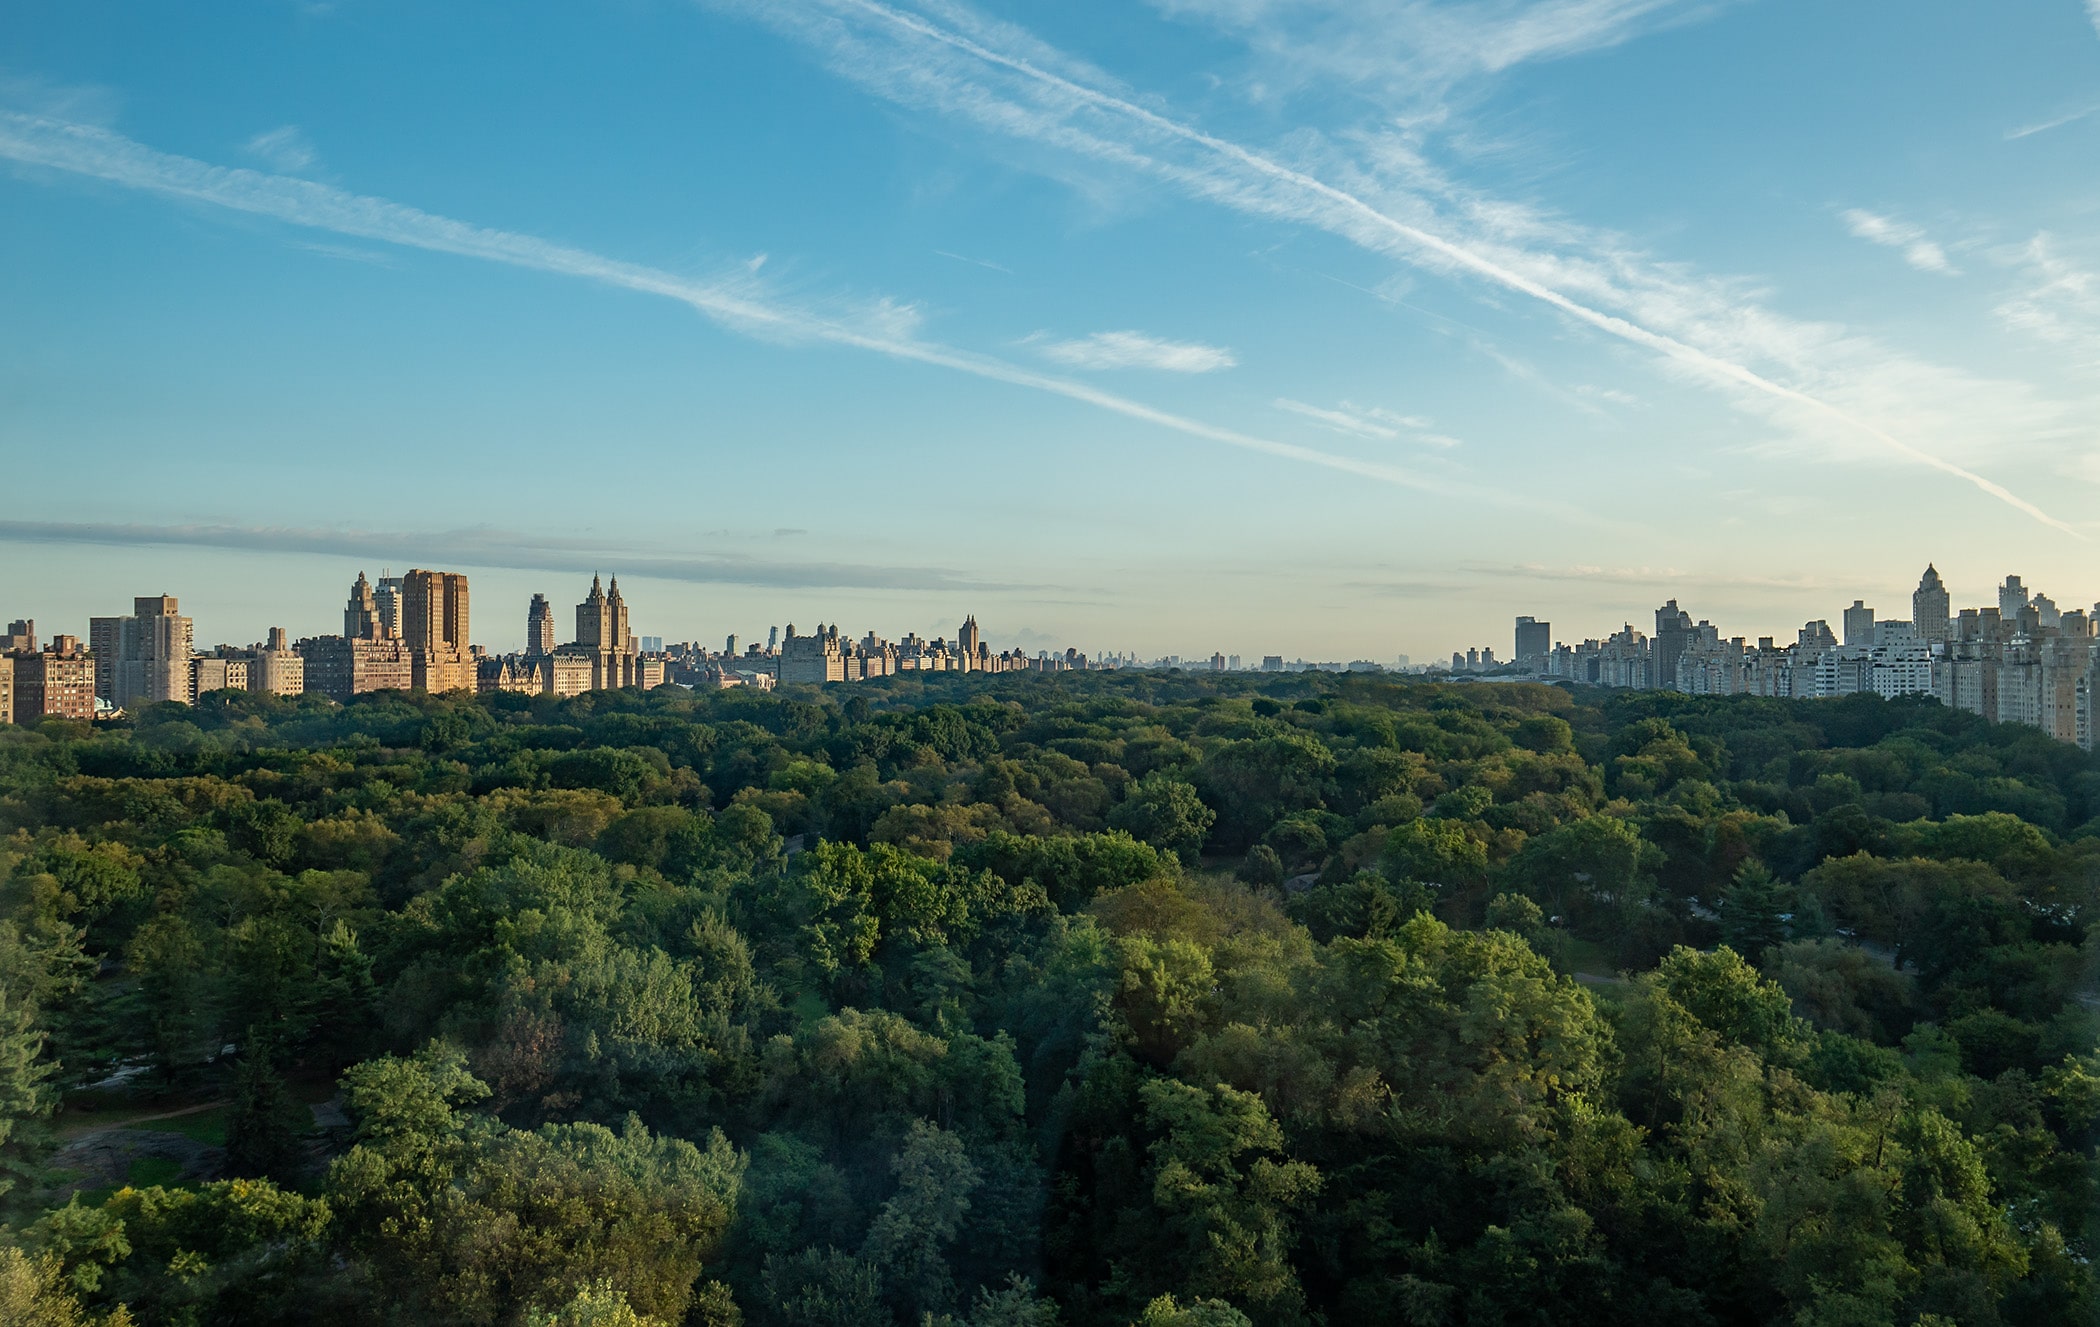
column 206, row 1126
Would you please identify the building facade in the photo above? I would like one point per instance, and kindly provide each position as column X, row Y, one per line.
column 154, row 646
column 218, row 672
column 435, row 627
column 1534, row 642
column 818, row 658
column 105, row 643
column 361, row 614
column 339, row 667
column 390, row 605
column 602, row 638
column 1930, row 608
column 539, row 627
column 56, row 680
column 276, row 668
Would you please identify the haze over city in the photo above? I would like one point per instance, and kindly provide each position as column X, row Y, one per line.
column 1335, row 330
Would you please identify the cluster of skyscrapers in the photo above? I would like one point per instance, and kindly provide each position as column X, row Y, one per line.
column 2022, row 660
column 826, row 655
column 412, row 633
column 142, row 659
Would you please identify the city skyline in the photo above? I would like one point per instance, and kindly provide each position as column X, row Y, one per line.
column 217, row 607
column 1582, row 326
column 497, row 634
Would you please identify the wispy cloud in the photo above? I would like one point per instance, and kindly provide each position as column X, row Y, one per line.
column 1341, row 421
column 2092, row 11
column 501, row 548
column 1369, row 422
column 1662, row 578
column 2026, row 131
column 1407, row 589
column 1135, row 350
column 974, row 262
column 2060, row 302
column 1829, row 386
column 738, row 304
column 1411, row 52
column 349, row 253
column 1917, row 250
column 284, row 149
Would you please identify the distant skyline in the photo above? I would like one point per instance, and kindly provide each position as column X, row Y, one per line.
column 1256, row 326
column 219, row 603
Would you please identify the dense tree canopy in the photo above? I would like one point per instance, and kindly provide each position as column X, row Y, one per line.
column 1093, row 999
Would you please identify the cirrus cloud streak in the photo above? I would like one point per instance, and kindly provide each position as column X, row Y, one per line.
column 738, row 304
column 1136, row 350
column 1830, row 387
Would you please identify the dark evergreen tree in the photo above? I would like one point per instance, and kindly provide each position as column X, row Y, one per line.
column 266, row 1129
column 1756, row 911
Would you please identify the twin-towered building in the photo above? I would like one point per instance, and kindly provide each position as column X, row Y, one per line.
column 413, row 633
column 604, row 656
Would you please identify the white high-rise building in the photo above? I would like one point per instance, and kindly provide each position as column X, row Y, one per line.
column 1901, row 668
column 388, row 598
column 153, row 654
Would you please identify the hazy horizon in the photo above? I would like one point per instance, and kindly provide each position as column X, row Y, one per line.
column 1199, row 325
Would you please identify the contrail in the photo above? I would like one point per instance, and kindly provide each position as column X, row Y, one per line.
column 1455, row 253
column 103, row 155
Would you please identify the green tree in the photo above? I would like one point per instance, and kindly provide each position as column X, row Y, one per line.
column 1225, row 1197
column 266, row 1125
column 823, row 1288
column 33, row 1293
column 1166, row 813
column 910, row 1236
column 1165, row 1312
column 177, row 993
column 25, row 1074
column 1596, row 874
column 1435, row 852
column 1263, row 866
column 599, row 1304
column 1756, row 911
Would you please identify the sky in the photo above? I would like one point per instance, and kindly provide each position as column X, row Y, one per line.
column 1308, row 327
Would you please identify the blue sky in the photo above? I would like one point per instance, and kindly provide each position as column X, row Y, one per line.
column 1257, row 325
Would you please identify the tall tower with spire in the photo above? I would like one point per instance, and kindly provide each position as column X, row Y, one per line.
column 361, row 614
column 1929, row 608
column 593, row 619
column 616, row 637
